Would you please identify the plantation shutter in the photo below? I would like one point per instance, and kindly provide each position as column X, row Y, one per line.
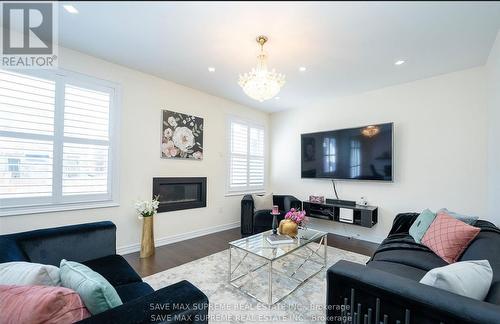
column 256, row 158
column 238, row 177
column 27, row 107
column 246, row 165
column 86, row 141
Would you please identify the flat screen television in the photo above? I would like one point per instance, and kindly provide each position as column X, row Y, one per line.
column 361, row 153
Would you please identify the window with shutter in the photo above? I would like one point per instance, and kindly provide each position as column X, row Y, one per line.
column 246, row 157
column 57, row 145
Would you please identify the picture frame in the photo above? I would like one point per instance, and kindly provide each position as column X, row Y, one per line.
column 181, row 136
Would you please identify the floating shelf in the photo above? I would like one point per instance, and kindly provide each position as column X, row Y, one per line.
column 365, row 216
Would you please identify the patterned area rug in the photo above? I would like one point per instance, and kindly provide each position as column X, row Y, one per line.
column 230, row 305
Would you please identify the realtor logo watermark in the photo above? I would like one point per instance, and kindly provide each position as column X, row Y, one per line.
column 29, row 35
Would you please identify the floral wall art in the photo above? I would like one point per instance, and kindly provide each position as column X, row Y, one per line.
column 182, row 136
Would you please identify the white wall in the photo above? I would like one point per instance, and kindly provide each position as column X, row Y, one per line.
column 440, row 148
column 143, row 98
column 493, row 85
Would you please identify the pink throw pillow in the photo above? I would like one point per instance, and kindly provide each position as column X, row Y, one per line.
column 449, row 237
column 40, row 304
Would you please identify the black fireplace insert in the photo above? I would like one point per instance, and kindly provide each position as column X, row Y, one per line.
column 180, row 193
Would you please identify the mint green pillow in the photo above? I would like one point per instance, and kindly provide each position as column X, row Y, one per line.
column 421, row 224
column 471, row 220
column 95, row 291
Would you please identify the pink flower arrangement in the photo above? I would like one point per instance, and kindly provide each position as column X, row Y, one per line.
column 297, row 216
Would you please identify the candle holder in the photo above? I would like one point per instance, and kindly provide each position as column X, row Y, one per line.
column 275, row 212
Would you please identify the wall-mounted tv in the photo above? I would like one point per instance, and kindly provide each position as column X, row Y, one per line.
column 361, row 153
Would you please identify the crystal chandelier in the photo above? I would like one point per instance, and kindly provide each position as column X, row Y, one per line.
column 261, row 84
column 370, row 131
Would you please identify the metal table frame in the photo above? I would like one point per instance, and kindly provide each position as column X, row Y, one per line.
column 269, row 264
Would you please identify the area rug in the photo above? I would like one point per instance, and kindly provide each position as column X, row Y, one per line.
column 229, row 305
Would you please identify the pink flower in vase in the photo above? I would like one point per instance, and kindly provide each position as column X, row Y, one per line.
column 296, row 216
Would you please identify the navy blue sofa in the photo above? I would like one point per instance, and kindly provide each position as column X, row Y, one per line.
column 94, row 244
column 387, row 289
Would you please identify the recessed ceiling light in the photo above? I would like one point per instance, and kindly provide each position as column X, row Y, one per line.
column 302, row 68
column 399, row 62
column 70, row 9
column 211, row 69
column 277, row 98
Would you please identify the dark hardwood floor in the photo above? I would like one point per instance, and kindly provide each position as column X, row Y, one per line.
column 172, row 255
column 352, row 244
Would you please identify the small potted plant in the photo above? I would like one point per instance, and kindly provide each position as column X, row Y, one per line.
column 293, row 219
column 147, row 209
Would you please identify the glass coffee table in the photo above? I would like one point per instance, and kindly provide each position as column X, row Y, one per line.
column 271, row 272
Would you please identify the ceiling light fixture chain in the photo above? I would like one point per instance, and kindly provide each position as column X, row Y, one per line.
column 262, row 40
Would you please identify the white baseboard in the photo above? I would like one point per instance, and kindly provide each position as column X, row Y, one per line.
column 177, row 238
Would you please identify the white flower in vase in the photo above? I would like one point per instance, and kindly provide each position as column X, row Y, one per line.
column 147, row 208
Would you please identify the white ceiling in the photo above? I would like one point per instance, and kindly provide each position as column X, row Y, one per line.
column 347, row 48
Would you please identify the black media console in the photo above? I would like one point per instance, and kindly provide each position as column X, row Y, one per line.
column 365, row 216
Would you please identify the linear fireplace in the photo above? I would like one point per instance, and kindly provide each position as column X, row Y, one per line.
column 180, row 193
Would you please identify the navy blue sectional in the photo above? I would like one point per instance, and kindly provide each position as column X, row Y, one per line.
column 387, row 289
column 94, row 244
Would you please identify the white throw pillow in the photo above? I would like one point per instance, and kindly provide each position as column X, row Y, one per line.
column 467, row 278
column 263, row 202
column 27, row 273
